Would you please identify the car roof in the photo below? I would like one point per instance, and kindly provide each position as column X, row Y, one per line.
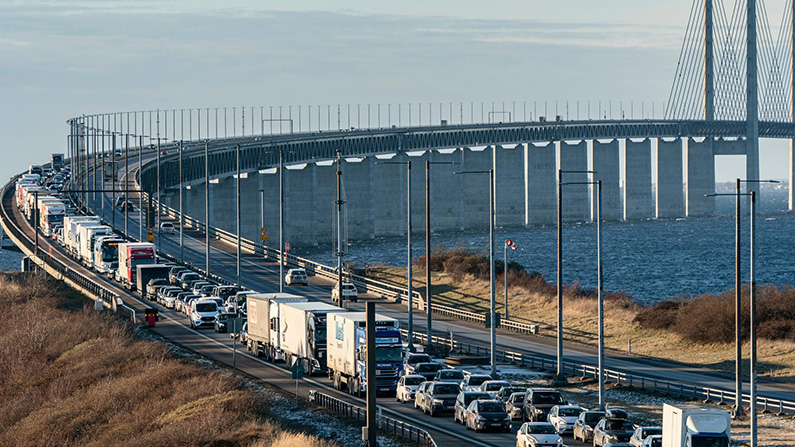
column 416, row 376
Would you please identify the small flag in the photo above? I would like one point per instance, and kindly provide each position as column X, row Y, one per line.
column 510, row 243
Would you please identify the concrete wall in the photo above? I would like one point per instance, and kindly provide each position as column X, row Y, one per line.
column 447, row 203
column 270, row 184
column 417, row 189
column 605, row 163
column 357, row 179
column 669, row 196
column 389, row 198
column 540, row 185
column 574, row 157
column 700, row 178
column 299, row 217
column 223, row 206
column 637, row 180
column 476, row 188
column 325, row 196
column 509, row 180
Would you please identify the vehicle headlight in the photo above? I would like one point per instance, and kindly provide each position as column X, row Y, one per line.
column 438, row 402
column 560, row 441
column 611, row 438
column 563, row 424
column 587, row 428
column 507, row 419
column 538, row 411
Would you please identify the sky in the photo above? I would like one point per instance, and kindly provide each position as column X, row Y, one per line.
column 60, row 59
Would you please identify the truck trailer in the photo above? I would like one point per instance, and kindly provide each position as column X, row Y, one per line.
column 303, row 333
column 695, row 426
column 51, row 214
column 147, row 272
column 347, row 352
column 131, row 254
column 264, row 334
column 88, row 235
column 71, row 231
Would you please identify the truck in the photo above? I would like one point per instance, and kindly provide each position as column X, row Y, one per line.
column 32, row 194
column 22, row 192
column 303, row 334
column 36, row 169
column 264, row 334
column 71, row 231
column 51, row 214
column 87, row 238
column 131, row 254
column 695, row 426
column 347, row 352
column 56, row 162
column 146, row 272
column 106, row 254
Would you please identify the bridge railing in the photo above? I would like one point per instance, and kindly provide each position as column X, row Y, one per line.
column 386, row 424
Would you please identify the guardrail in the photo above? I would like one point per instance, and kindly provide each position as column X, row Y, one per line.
column 666, row 387
column 386, row 424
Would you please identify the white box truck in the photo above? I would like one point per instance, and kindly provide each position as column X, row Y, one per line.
column 695, row 426
column 88, row 235
column 51, row 213
column 264, row 334
column 303, row 333
column 71, row 231
column 347, row 348
column 106, row 254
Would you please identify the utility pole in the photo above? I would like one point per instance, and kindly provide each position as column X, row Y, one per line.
column 281, row 221
column 560, row 376
column 369, row 431
column 339, row 253
column 181, row 216
column 237, row 220
column 207, row 207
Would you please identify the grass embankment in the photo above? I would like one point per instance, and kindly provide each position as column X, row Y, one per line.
column 73, row 376
column 698, row 331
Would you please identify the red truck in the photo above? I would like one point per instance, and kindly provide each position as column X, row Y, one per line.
column 131, row 254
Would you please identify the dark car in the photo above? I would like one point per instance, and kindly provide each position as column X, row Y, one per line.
column 172, row 273
column 413, row 359
column 505, row 392
column 220, row 321
column 449, row 375
column 584, row 425
column 487, row 414
column 613, row 428
column 186, row 281
column 462, row 403
column 514, row 404
column 440, row 398
column 538, row 402
column 151, row 291
column 428, row 370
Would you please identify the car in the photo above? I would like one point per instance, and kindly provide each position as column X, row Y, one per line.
column 412, row 359
column 221, row 318
column 563, row 417
column 585, row 423
column 173, row 271
column 225, row 292
column 218, row 301
column 420, row 394
column 127, row 206
column 120, row 200
column 487, row 414
column 349, row 292
column 206, row 290
column 652, row 441
column 196, row 287
column 505, row 392
column 449, row 376
column 202, row 313
column 235, row 300
column 514, row 404
column 440, row 398
column 185, row 308
column 178, row 276
column 493, row 387
column 539, row 401
column 407, row 387
column 536, row 434
column 613, row 428
column 161, row 293
column 152, row 287
column 167, row 299
column 462, row 402
column 641, row 433
column 167, row 228
column 296, row 277
column 163, row 152
column 186, row 281
column 428, row 370
column 472, row 382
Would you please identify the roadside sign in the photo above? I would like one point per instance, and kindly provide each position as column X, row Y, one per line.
column 150, row 238
column 298, row 370
column 287, row 247
column 234, row 325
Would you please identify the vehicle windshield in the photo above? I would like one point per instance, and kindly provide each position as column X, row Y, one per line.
column 518, row 399
column 191, row 277
column 110, row 253
column 545, row 429
column 454, row 374
column 469, row 397
column 411, row 381
column 388, row 354
column 709, row 441
column 656, row 442
column 225, row 316
column 593, row 418
column 494, row 386
column 226, row 292
column 547, row 398
column 445, row 388
column 140, row 261
column 619, row 424
column 477, row 380
column 651, row 431
column 428, row 367
column 569, row 411
column 206, row 307
column 491, row 407
column 418, row 358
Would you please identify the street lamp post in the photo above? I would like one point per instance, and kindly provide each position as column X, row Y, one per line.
column 237, row 152
column 493, row 304
column 206, row 207
column 181, row 217
column 512, row 245
column 281, row 218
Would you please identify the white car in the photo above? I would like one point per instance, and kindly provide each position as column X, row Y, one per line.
column 652, row 441
column 349, row 292
column 407, row 387
column 563, row 417
column 534, row 434
column 202, row 313
column 472, row 382
column 295, row 277
column 641, row 433
column 493, row 387
column 167, row 228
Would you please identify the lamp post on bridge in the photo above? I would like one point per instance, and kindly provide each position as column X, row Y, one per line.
column 512, row 245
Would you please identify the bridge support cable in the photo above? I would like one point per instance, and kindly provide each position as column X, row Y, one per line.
column 688, row 79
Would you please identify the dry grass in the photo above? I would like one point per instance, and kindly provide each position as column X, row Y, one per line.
column 72, row 376
column 647, row 328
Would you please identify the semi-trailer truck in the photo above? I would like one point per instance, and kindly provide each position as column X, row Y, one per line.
column 695, row 426
column 131, row 254
column 71, row 231
column 264, row 334
column 303, row 334
column 51, row 213
column 106, row 254
column 347, row 352
column 56, row 162
column 88, row 235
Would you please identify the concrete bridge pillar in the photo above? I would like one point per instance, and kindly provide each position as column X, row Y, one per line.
column 700, row 178
column 476, row 187
column 509, row 179
column 222, row 204
column 357, row 180
column 417, row 160
column 325, row 210
column 250, row 207
column 390, row 197
column 299, row 209
column 605, row 163
column 791, row 174
column 446, row 198
column 270, row 184
column 670, row 199
column 574, row 157
column 540, row 184
column 637, row 180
